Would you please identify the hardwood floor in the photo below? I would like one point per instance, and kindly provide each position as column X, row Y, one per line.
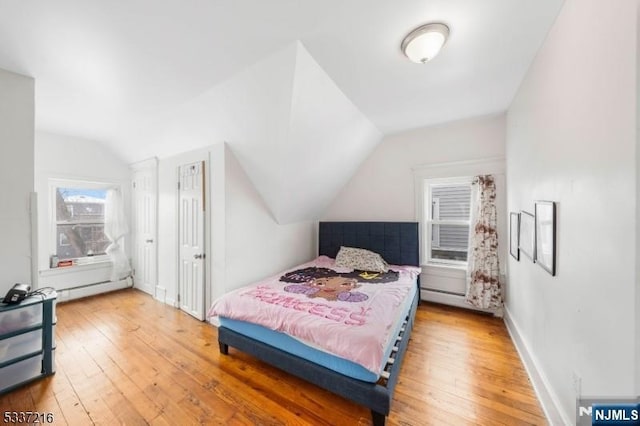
column 124, row 358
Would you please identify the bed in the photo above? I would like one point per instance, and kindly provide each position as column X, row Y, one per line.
column 397, row 243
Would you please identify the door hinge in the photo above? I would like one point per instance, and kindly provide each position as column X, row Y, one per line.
column 134, row 185
column 178, row 298
column 178, row 185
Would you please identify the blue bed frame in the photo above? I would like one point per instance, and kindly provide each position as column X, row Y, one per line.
column 397, row 242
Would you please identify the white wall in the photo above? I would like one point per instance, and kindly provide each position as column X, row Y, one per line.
column 257, row 246
column 167, row 287
column 288, row 125
column 245, row 242
column 16, row 177
column 69, row 158
column 384, row 187
column 571, row 139
column 327, row 140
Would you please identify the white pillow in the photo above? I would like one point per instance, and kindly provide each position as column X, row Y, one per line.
column 361, row 259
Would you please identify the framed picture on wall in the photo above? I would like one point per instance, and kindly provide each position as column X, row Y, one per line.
column 526, row 242
column 545, row 251
column 514, row 235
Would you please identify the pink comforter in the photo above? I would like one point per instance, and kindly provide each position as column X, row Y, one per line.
column 348, row 314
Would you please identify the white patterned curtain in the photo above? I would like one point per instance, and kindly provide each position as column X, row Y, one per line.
column 483, row 275
column 115, row 228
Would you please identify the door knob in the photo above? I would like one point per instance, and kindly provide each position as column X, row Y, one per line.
column 199, row 256
column 149, row 241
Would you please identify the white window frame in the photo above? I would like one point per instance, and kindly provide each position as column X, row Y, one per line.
column 454, row 169
column 428, row 220
column 54, row 184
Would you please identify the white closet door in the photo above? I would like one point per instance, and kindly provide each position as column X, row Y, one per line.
column 191, row 239
column 145, row 262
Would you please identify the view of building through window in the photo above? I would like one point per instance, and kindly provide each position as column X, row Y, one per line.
column 450, row 214
column 80, row 222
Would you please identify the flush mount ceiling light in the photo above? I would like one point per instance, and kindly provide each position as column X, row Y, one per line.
column 423, row 44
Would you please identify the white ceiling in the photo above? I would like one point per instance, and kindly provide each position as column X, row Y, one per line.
column 104, row 67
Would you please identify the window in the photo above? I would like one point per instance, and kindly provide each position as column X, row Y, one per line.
column 446, row 220
column 79, row 221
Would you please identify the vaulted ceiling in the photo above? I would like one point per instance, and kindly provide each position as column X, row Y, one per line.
column 112, row 70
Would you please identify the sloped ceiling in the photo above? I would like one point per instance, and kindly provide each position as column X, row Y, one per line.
column 298, row 137
column 117, row 72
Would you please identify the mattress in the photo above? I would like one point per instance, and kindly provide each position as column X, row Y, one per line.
column 316, row 354
column 349, row 314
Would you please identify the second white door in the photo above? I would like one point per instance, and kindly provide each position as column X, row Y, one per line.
column 144, row 228
column 191, row 239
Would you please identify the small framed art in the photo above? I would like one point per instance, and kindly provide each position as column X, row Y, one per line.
column 545, row 250
column 514, row 235
column 526, row 242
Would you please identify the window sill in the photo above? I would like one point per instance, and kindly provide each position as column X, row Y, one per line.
column 445, row 266
column 97, row 264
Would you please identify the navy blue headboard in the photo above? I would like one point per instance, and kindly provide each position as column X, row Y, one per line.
column 396, row 242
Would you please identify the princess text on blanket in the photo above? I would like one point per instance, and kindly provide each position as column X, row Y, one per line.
column 356, row 316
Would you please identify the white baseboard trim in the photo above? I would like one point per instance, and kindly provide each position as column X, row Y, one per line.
column 146, row 288
column 541, row 385
column 161, row 294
